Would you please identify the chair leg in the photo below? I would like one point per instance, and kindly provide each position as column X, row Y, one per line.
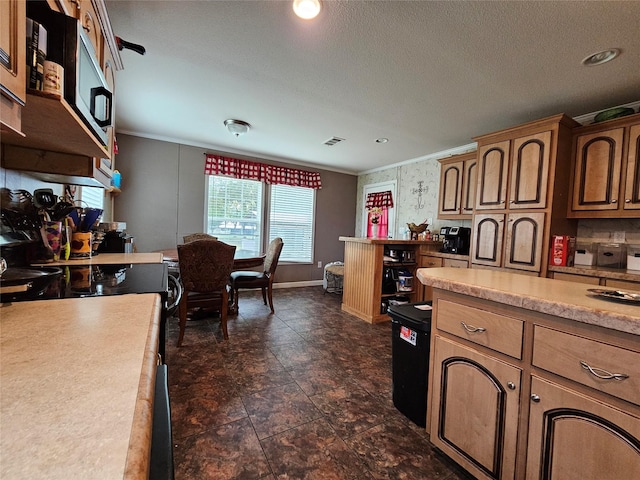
column 223, row 314
column 183, row 317
column 234, row 297
column 270, row 293
column 264, row 295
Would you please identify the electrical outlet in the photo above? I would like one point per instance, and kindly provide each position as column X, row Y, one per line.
column 319, row 264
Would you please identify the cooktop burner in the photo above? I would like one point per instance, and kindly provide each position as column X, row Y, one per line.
column 77, row 281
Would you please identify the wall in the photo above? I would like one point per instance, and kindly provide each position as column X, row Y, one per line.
column 163, row 199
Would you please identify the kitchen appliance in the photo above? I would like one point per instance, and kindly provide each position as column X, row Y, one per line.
column 85, row 86
column 456, row 240
column 116, row 242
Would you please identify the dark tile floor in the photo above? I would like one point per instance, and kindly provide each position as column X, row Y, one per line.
column 301, row 394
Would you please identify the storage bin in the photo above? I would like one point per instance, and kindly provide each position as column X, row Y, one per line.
column 633, row 257
column 586, row 253
column 612, row 255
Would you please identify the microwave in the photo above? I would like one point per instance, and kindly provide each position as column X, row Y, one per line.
column 85, row 86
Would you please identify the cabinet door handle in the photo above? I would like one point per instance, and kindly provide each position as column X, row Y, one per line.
column 511, row 385
column 472, row 329
column 535, row 398
column 628, row 200
column 603, row 374
column 614, row 201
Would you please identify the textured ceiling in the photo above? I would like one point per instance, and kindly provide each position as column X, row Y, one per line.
column 427, row 75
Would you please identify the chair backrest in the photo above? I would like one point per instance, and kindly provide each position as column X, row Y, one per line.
column 273, row 255
column 198, row 236
column 205, row 265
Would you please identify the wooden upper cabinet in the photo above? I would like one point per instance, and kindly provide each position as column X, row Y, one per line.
column 597, row 173
column 91, row 25
column 530, row 171
column 493, row 164
column 523, row 250
column 632, row 186
column 605, row 170
column 13, row 79
column 458, row 180
column 488, row 231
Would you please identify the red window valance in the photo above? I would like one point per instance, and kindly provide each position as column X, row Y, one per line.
column 246, row 170
column 379, row 199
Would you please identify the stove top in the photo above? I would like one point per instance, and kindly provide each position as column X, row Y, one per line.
column 77, row 281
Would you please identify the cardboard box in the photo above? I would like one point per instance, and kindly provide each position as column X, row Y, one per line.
column 563, row 249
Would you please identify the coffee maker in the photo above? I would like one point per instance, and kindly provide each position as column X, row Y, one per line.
column 456, row 240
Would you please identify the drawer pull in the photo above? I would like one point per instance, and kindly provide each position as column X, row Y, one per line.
column 603, row 374
column 535, row 398
column 472, row 329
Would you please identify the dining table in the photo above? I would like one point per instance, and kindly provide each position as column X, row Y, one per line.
column 170, row 257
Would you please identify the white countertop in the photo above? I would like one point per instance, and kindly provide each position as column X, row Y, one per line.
column 76, row 387
column 568, row 300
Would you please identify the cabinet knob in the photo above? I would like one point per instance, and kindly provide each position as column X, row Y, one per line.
column 511, row 385
column 628, row 200
column 535, row 398
column 614, row 201
column 512, row 201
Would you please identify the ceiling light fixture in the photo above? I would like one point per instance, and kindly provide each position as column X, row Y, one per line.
column 306, row 9
column 601, row 57
column 236, row 127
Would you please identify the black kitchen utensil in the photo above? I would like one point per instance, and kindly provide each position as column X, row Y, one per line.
column 60, row 210
column 43, row 198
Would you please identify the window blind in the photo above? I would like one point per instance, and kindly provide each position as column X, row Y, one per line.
column 291, row 218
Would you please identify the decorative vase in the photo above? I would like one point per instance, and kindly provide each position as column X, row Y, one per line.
column 374, row 230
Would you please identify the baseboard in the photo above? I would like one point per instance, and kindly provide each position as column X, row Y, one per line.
column 310, row 283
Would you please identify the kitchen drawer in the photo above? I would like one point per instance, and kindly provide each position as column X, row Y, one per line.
column 453, row 263
column 569, row 277
column 491, row 330
column 564, row 354
column 622, row 284
column 427, row 261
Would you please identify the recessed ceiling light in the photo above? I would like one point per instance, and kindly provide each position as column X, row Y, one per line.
column 382, row 140
column 601, row 57
column 306, row 9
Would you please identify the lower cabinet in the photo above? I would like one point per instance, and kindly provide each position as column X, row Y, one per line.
column 521, row 395
column 475, row 409
column 572, row 436
column 428, row 261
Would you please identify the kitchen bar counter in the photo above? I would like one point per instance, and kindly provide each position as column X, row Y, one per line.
column 108, row 259
column 600, row 272
column 554, row 297
column 77, row 380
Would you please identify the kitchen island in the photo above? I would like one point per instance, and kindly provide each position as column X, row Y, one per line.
column 77, row 382
column 108, row 259
column 526, row 371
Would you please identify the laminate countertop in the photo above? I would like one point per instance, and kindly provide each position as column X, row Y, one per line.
column 108, row 259
column 563, row 299
column 77, row 378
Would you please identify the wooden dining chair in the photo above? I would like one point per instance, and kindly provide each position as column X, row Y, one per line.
column 205, row 266
column 197, row 236
column 264, row 279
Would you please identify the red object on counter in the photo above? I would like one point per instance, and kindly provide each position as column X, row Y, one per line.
column 563, row 249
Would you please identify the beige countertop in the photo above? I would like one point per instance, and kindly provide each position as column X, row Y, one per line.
column 601, row 272
column 568, row 300
column 77, row 378
column 108, row 259
column 387, row 241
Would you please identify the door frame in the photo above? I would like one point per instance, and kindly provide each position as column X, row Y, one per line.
column 375, row 188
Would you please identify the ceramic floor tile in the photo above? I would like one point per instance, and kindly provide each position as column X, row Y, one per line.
column 227, row 452
column 313, row 451
column 304, row 393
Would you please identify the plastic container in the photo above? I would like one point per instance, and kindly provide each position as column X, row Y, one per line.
column 633, row 257
column 612, row 255
column 586, row 254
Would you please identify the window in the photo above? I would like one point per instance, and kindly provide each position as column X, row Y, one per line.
column 92, row 197
column 249, row 214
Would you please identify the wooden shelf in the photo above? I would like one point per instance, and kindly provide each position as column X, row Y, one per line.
column 50, row 123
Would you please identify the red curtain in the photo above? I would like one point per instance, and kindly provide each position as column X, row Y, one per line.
column 379, row 199
column 383, row 224
column 271, row 174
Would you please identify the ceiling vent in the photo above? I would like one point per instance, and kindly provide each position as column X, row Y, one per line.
column 333, row 140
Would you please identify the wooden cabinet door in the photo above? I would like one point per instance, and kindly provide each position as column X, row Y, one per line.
column 13, row 80
column 488, row 230
column 493, row 163
column 451, row 175
column 530, row 171
column 91, row 25
column 523, row 250
column 574, row 437
column 474, row 417
column 632, row 187
column 469, row 186
column 598, row 164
